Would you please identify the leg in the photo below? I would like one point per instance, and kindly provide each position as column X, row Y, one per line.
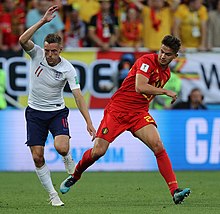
column 37, row 132
column 60, row 131
column 108, row 130
column 151, row 138
column 61, row 144
column 89, row 157
column 38, row 155
column 43, row 174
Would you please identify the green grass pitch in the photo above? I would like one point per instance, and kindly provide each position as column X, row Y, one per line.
column 111, row 193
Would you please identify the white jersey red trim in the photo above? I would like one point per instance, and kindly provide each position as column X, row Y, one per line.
column 47, row 83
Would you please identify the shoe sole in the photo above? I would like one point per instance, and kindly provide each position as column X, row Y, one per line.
column 56, row 204
column 60, row 205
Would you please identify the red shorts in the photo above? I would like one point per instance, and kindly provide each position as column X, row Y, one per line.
column 114, row 123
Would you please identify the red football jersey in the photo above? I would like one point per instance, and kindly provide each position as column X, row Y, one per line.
column 126, row 98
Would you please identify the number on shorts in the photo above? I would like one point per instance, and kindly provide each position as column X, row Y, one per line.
column 149, row 119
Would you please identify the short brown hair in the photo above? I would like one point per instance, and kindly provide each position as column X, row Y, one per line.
column 172, row 42
column 53, row 38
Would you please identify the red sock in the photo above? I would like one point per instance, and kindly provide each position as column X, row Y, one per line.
column 83, row 164
column 166, row 170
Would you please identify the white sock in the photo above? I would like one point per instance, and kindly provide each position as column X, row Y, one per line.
column 43, row 174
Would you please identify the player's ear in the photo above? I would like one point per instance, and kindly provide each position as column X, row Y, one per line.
column 175, row 55
column 61, row 48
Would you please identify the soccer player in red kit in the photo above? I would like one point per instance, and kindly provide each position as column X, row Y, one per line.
column 128, row 110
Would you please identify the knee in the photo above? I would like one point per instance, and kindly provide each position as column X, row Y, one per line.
column 38, row 160
column 100, row 148
column 98, row 152
column 62, row 149
column 157, row 146
column 61, row 144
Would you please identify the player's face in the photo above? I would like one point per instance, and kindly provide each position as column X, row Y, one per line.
column 166, row 55
column 52, row 53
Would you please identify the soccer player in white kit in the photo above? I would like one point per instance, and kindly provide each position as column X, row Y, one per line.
column 46, row 109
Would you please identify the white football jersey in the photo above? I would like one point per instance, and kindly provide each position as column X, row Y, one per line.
column 47, row 83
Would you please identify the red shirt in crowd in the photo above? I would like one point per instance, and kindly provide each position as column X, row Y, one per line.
column 10, row 24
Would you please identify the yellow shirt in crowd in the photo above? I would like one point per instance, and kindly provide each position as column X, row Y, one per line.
column 87, row 8
column 152, row 37
column 190, row 25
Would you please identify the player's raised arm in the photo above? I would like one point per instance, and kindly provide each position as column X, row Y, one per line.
column 24, row 39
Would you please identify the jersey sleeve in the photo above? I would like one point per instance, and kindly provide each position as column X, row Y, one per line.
column 36, row 51
column 72, row 78
column 144, row 67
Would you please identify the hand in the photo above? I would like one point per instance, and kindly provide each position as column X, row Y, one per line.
column 91, row 131
column 171, row 94
column 174, row 98
column 49, row 15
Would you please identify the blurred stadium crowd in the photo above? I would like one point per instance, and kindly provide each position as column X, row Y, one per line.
column 107, row 24
column 119, row 23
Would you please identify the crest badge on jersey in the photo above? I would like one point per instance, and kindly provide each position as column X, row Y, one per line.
column 105, row 130
column 144, row 67
column 58, row 75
